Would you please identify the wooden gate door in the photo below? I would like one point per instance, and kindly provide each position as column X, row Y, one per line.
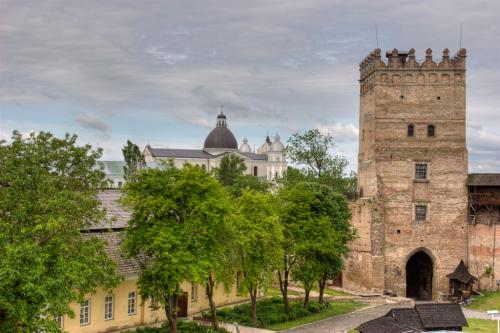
column 182, row 305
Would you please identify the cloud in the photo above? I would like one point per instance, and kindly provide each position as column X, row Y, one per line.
column 341, row 132
column 290, row 65
column 92, row 121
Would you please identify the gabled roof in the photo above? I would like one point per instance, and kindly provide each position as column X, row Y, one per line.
column 421, row 318
column 125, row 267
column 117, row 216
column 484, row 179
column 441, row 315
column 462, row 274
column 409, row 317
column 197, row 153
column 113, row 167
column 181, row 153
column 385, row 325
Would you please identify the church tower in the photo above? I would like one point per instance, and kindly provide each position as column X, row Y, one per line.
column 412, row 174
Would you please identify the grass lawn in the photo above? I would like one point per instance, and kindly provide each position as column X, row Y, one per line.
column 475, row 326
column 276, row 292
column 332, row 292
column 490, row 301
column 338, row 308
column 481, row 326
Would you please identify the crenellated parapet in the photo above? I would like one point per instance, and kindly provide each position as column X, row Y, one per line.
column 402, row 67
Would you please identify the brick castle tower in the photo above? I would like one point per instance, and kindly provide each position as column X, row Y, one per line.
column 412, row 174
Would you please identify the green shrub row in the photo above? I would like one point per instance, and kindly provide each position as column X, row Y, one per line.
column 269, row 311
column 182, row 327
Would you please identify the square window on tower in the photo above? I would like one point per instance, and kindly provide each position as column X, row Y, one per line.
column 421, row 171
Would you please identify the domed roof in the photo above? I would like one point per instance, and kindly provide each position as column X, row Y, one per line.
column 277, row 144
column 221, row 136
column 245, row 147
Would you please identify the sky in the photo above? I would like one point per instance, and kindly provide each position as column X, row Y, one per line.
column 158, row 72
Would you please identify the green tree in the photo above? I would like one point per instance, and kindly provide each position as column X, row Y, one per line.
column 258, row 246
column 231, row 167
column 48, row 189
column 310, row 151
column 317, row 232
column 134, row 160
column 247, row 182
column 181, row 220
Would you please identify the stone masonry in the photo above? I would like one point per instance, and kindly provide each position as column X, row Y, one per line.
column 412, row 174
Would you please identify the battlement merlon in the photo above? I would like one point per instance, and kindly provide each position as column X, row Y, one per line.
column 405, row 60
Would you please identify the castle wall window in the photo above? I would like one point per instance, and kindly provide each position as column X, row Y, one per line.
column 255, row 171
column 85, row 312
column 431, row 131
column 420, row 171
column 131, row 303
column 411, row 130
column 108, row 307
column 420, row 212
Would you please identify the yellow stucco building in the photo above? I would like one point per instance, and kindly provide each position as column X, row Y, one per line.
column 123, row 307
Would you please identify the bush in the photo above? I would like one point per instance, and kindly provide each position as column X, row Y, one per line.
column 269, row 311
column 182, row 327
column 315, row 307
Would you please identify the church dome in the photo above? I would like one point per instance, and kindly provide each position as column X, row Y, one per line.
column 245, row 147
column 277, row 145
column 221, row 137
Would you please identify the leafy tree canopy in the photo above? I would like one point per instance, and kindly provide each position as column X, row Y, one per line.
column 134, row 159
column 181, row 222
column 48, row 189
column 310, row 151
column 231, row 167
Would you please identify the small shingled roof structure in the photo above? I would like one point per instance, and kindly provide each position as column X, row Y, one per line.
column 421, row 318
column 484, row 179
column 462, row 274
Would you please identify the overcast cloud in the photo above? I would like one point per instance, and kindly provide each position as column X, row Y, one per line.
column 158, row 71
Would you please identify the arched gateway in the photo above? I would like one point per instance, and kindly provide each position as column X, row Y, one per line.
column 419, row 272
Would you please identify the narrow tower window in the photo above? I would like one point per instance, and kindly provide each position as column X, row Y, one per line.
column 431, row 130
column 411, row 130
column 255, row 171
column 420, row 212
column 421, row 171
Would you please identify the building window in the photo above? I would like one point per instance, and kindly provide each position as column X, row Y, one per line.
column 194, row 292
column 431, row 130
column 85, row 312
column 411, row 130
column 120, row 184
column 255, row 171
column 154, row 303
column 59, row 321
column 108, row 307
column 420, row 171
column 420, row 212
column 131, row 303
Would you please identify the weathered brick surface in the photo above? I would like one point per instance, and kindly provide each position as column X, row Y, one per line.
column 393, row 96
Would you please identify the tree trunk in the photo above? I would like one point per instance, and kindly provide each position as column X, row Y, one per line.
column 306, row 298
column 213, row 308
column 284, row 289
column 171, row 312
column 322, row 285
column 253, row 296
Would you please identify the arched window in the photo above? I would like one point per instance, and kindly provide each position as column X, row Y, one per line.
column 431, row 130
column 411, row 130
column 255, row 171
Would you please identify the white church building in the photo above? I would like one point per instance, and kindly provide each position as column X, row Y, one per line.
column 268, row 162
